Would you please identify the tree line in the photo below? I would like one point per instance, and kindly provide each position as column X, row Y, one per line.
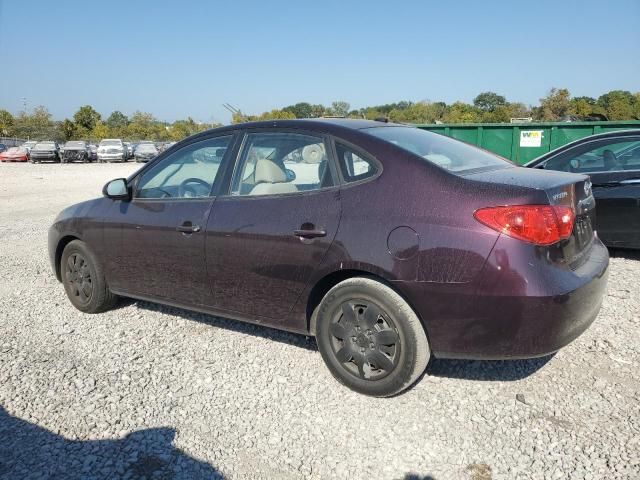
column 88, row 124
column 487, row 107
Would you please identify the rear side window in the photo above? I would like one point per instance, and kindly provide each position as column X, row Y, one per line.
column 353, row 165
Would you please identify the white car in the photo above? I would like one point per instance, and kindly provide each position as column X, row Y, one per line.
column 112, row 150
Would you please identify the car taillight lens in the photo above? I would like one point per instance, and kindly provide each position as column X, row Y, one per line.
column 538, row 224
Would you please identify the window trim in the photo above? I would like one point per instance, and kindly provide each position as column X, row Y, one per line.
column 592, row 145
column 215, row 188
column 363, row 154
column 326, row 139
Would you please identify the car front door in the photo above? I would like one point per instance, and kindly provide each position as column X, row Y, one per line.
column 265, row 238
column 614, row 167
column 156, row 240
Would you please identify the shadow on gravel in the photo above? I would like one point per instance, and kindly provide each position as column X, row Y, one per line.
column 29, row 451
column 297, row 340
column 621, row 253
column 413, row 476
column 489, row 370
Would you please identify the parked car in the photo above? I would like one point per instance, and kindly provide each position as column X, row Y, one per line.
column 129, row 147
column 112, row 149
column 612, row 161
column 45, row 151
column 146, row 152
column 76, row 151
column 93, row 152
column 29, row 145
column 3, row 147
column 392, row 245
column 15, row 154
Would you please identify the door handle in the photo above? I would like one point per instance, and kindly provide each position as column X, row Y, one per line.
column 310, row 233
column 187, row 227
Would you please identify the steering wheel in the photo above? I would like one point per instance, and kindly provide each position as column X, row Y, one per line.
column 185, row 188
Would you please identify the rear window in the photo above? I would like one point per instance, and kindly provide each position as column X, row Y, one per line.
column 44, row 146
column 447, row 153
column 110, row 143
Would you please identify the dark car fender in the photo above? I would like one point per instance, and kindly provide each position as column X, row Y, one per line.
column 82, row 221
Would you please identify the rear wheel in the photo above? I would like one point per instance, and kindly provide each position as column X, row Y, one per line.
column 370, row 338
column 84, row 280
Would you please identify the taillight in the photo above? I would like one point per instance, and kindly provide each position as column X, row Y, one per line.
column 539, row 224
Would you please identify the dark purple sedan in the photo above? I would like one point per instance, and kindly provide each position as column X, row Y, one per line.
column 388, row 243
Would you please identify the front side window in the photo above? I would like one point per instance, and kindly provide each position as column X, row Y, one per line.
column 277, row 163
column 612, row 156
column 453, row 155
column 187, row 173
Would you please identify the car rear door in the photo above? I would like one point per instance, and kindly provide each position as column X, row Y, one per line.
column 266, row 237
column 613, row 165
column 155, row 241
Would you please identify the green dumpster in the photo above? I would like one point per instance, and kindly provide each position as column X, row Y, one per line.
column 522, row 142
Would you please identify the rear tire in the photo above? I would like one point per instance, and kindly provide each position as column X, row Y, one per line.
column 83, row 279
column 370, row 338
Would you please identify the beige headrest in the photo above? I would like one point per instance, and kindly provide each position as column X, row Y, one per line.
column 313, row 153
column 270, row 172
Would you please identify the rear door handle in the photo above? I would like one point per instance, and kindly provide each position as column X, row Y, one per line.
column 310, row 233
column 187, row 227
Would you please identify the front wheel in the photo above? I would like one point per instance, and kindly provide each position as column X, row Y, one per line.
column 84, row 280
column 370, row 338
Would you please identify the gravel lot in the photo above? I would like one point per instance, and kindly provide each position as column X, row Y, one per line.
column 152, row 392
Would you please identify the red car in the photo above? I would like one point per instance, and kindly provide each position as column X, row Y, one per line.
column 15, row 154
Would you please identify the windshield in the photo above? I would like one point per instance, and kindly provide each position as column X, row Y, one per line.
column 16, row 150
column 44, row 146
column 445, row 152
column 29, row 144
column 74, row 145
column 146, row 148
column 110, row 143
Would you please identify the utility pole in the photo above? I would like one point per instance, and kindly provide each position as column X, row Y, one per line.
column 233, row 110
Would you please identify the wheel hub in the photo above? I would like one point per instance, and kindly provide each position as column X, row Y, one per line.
column 365, row 340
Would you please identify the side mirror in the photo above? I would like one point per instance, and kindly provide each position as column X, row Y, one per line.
column 291, row 175
column 117, row 190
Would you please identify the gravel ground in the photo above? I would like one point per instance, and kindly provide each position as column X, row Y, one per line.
column 146, row 391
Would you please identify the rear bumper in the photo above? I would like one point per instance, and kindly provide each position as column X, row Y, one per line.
column 515, row 312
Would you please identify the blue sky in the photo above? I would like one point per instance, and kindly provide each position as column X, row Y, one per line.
column 175, row 59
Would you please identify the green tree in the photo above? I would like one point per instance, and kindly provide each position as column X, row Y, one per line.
column 99, row 132
column 489, row 101
column 117, row 120
column 86, row 117
column 300, row 110
column 6, row 123
column 618, row 104
column 419, row 112
column 582, row 106
column 340, row 108
column 555, row 105
column 68, row 129
column 461, row 112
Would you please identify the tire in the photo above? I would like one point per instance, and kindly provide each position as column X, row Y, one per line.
column 79, row 264
column 352, row 359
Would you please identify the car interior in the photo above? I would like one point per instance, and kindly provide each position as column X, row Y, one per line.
column 615, row 157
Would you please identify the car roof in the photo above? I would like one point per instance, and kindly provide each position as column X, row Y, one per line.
column 329, row 125
column 634, row 132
